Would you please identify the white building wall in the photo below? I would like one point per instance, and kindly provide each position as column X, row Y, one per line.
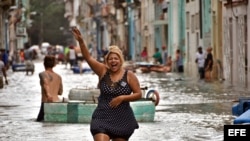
column 192, row 36
column 175, row 25
column 121, row 28
column 236, row 42
column 235, row 58
column 151, row 19
column 76, row 5
column 144, row 23
column 2, row 33
column 147, row 18
column 248, row 43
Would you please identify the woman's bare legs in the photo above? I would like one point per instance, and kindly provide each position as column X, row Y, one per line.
column 208, row 76
column 101, row 137
column 104, row 137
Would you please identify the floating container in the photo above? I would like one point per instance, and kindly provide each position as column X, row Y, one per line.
column 81, row 94
column 82, row 103
column 81, row 112
column 56, row 112
column 241, row 107
column 144, row 110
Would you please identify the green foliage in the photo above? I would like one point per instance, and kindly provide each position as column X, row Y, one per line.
column 48, row 20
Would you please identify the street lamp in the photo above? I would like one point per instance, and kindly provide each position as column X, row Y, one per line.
column 34, row 13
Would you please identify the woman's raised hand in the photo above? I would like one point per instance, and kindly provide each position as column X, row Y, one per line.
column 76, row 33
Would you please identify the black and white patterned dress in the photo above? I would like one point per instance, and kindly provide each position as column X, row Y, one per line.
column 116, row 122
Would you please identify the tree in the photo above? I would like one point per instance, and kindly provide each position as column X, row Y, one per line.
column 49, row 24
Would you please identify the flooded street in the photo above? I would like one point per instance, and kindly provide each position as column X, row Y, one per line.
column 189, row 110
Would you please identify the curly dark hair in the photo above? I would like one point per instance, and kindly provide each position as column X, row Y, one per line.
column 49, row 61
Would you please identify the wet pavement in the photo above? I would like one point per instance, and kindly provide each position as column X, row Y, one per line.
column 189, row 110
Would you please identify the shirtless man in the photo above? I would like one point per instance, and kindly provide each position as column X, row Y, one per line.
column 51, row 84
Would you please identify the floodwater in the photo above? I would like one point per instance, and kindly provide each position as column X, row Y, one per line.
column 189, row 110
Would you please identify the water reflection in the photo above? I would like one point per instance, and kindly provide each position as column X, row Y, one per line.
column 207, row 106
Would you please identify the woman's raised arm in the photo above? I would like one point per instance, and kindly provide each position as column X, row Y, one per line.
column 98, row 67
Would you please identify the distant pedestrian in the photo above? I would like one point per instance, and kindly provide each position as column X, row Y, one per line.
column 208, row 64
column 30, row 67
column 66, row 57
column 21, row 55
column 161, row 68
column 104, row 51
column 164, row 55
column 157, row 56
column 200, row 60
column 3, row 74
column 5, row 56
column 51, row 84
column 27, row 54
column 179, row 61
column 72, row 56
column 144, row 54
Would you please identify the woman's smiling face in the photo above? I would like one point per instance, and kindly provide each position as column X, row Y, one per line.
column 114, row 62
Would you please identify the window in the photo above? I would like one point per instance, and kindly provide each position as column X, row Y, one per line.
column 193, row 23
column 197, row 21
column 197, row 39
column 187, row 20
